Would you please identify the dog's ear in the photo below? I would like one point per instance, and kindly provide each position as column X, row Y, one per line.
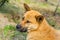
column 39, row 18
column 27, row 8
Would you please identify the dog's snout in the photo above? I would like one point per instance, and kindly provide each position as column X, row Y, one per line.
column 18, row 26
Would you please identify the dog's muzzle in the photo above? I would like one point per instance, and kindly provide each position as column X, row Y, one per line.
column 20, row 28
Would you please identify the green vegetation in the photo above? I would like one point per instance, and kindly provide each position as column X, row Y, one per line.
column 51, row 22
column 27, row 1
column 8, row 28
column 10, row 33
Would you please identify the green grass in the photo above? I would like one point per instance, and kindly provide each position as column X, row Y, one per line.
column 27, row 1
column 51, row 22
column 8, row 28
column 9, row 32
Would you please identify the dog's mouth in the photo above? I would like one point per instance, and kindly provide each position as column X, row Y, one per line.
column 19, row 28
column 23, row 30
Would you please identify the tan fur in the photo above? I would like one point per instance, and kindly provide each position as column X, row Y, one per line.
column 41, row 31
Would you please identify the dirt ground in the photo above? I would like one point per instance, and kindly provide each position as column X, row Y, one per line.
column 4, row 21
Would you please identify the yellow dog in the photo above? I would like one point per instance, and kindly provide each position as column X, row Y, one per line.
column 37, row 27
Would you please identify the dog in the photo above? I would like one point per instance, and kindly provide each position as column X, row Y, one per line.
column 35, row 24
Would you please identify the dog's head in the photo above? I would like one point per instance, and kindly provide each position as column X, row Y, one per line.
column 30, row 21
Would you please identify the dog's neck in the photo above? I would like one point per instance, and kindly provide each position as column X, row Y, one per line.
column 44, row 26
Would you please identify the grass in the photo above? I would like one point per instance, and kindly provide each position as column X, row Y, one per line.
column 10, row 33
column 27, row 1
column 8, row 28
column 51, row 22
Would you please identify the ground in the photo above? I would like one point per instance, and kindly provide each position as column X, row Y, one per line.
column 4, row 21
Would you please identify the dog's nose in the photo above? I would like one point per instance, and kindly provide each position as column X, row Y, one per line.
column 18, row 26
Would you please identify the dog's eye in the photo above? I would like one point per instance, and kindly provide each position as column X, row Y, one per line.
column 27, row 21
column 23, row 18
